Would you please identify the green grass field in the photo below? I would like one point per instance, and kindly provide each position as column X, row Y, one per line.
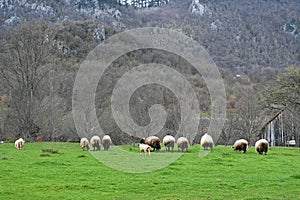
column 70, row 173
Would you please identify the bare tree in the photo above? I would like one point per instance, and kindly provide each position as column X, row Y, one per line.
column 291, row 124
column 285, row 93
column 24, row 65
column 249, row 119
column 229, row 131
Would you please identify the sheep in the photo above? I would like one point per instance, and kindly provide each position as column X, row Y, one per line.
column 95, row 142
column 169, row 141
column 182, row 143
column 84, row 143
column 207, row 142
column 106, row 142
column 261, row 146
column 145, row 148
column 19, row 143
column 240, row 144
column 152, row 141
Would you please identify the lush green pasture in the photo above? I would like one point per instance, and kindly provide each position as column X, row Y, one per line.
column 71, row 173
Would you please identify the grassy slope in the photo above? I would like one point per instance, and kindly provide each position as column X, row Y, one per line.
column 222, row 174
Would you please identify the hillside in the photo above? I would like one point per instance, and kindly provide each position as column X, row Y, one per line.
column 43, row 43
column 243, row 36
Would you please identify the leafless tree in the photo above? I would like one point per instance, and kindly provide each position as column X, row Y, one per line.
column 285, row 93
column 229, row 131
column 249, row 118
column 24, row 65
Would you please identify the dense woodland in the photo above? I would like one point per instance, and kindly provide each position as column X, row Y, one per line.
column 255, row 44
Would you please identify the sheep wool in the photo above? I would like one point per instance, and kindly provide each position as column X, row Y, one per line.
column 106, row 142
column 169, row 142
column 182, row 143
column 19, row 143
column 207, row 142
column 84, row 143
column 262, row 146
column 95, row 142
column 240, row 145
column 152, row 141
column 144, row 148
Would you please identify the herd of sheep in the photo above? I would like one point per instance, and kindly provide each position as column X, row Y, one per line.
column 96, row 142
column 206, row 142
column 261, row 146
column 153, row 142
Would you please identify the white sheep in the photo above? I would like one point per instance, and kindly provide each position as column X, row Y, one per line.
column 144, row 148
column 261, row 146
column 240, row 145
column 207, row 142
column 19, row 143
column 169, row 142
column 106, row 142
column 84, row 143
column 95, row 142
column 182, row 143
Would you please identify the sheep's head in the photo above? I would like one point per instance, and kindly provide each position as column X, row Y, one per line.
column 142, row 141
column 148, row 149
column 158, row 147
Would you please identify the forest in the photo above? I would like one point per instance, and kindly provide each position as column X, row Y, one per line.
column 254, row 44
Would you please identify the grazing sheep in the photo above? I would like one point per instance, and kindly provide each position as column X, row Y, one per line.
column 240, row 145
column 19, row 143
column 261, row 146
column 207, row 142
column 106, row 142
column 144, row 148
column 152, row 141
column 182, row 143
column 84, row 143
column 169, row 141
column 95, row 142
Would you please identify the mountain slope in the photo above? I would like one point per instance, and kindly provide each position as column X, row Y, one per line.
column 240, row 35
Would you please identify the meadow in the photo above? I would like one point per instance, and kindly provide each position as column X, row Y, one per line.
column 63, row 171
